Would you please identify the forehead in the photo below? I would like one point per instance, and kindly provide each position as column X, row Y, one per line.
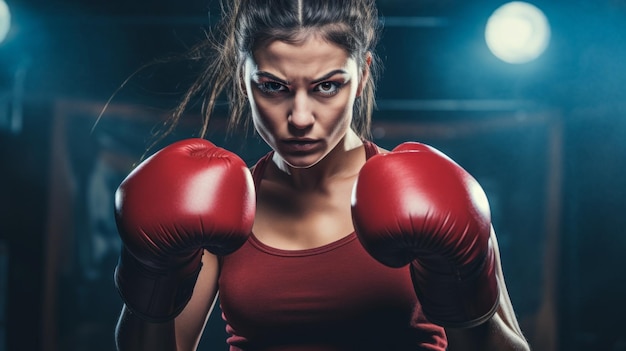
column 311, row 56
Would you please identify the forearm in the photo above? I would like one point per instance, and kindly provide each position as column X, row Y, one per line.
column 494, row 334
column 135, row 334
column 501, row 332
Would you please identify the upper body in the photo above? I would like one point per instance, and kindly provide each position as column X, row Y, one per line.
column 306, row 88
column 331, row 296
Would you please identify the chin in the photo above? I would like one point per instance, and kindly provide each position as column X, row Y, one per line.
column 302, row 162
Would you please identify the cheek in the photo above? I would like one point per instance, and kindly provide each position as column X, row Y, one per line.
column 341, row 112
column 266, row 116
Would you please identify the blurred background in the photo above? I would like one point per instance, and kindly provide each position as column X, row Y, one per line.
column 544, row 132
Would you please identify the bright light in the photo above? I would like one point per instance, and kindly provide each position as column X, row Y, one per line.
column 517, row 32
column 5, row 20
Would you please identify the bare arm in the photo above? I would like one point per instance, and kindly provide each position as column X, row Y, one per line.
column 501, row 332
column 181, row 334
column 190, row 323
column 134, row 333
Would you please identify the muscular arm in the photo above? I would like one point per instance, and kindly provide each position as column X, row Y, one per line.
column 181, row 334
column 501, row 332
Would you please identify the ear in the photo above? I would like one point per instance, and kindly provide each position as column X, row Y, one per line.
column 365, row 74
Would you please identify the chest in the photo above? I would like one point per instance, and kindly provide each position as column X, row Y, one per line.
column 295, row 220
column 266, row 292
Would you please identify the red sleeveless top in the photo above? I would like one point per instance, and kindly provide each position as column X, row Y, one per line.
column 333, row 297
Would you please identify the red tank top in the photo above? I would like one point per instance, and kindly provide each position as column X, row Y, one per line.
column 333, row 297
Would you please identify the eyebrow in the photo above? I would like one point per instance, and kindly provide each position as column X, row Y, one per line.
column 318, row 80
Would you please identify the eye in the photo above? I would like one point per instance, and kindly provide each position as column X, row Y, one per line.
column 328, row 88
column 271, row 87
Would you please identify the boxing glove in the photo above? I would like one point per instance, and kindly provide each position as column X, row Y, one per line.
column 188, row 196
column 416, row 206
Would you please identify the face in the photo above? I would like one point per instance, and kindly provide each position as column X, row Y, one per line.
column 301, row 96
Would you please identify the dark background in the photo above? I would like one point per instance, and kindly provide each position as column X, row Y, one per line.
column 546, row 139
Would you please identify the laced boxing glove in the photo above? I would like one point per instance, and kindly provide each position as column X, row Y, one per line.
column 416, row 206
column 188, row 196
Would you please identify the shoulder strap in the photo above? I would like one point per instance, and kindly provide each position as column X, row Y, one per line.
column 258, row 169
column 371, row 149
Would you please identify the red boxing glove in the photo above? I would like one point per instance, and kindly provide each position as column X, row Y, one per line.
column 188, row 196
column 415, row 205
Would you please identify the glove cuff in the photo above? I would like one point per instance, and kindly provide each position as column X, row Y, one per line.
column 155, row 296
column 453, row 300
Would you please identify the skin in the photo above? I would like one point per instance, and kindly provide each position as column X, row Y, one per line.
column 305, row 92
column 297, row 97
column 301, row 97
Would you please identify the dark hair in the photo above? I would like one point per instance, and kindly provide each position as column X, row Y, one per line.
column 249, row 24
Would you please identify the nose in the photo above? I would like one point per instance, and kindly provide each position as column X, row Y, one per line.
column 301, row 115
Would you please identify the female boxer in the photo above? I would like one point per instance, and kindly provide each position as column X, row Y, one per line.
column 329, row 243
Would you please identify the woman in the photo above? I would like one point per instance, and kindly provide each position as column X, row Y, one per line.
column 279, row 244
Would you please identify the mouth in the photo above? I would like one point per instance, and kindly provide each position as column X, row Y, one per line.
column 300, row 144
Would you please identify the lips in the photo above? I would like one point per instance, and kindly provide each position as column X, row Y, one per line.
column 300, row 145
